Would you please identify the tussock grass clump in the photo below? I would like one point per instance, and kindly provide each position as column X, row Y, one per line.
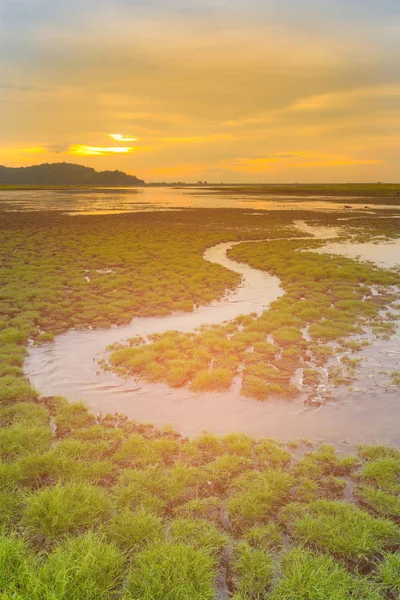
column 17, row 441
column 199, row 534
column 374, row 452
column 389, row 574
column 215, row 380
column 343, row 530
column 204, row 449
column 256, row 497
column 11, row 507
column 379, row 502
column 137, row 451
column 383, row 473
column 74, row 415
column 265, row 537
column 65, row 510
column 133, row 531
column 225, row 468
column 307, row 576
column 35, row 471
column 253, row 572
column 71, row 449
column 239, row 444
column 17, row 574
column 325, row 461
column 14, row 389
column 270, row 454
column 141, row 489
column 26, row 414
column 172, row 572
column 82, row 568
column 208, row 508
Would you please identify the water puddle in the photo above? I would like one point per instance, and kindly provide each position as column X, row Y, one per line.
column 382, row 253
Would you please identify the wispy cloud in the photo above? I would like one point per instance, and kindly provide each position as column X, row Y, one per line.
column 119, row 137
column 81, row 150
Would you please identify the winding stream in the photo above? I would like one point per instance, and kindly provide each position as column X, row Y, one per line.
column 67, row 367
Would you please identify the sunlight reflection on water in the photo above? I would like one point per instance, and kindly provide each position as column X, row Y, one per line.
column 119, row 200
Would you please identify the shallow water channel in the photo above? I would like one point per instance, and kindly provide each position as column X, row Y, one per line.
column 68, row 367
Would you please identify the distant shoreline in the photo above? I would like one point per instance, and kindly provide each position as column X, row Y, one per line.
column 337, row 193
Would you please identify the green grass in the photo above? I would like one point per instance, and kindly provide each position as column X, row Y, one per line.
column 208, row 508
column 257, row 497
column 252, row 572
column 133, row 531
column 344, row 531
column 17, row 574
column 383, row 473
column 379, row 502
column 171, row 572
column 307, row 576
column 389, row 574
column 64, row 510
column 199, row 534
column 157, row 525
column 14, row 388
column 264, row 537
column 82, row 568
column 17, row 440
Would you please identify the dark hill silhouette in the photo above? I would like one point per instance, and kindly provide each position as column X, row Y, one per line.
column 64, row 174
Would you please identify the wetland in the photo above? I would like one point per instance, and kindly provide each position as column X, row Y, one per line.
column 238, row 363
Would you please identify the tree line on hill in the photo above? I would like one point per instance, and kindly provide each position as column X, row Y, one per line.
column 65, row 174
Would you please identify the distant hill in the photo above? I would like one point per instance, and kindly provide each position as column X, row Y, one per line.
column 64, row 174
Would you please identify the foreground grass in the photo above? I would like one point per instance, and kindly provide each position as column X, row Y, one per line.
column 113, row 509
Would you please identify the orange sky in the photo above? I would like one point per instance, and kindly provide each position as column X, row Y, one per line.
column 213, row 90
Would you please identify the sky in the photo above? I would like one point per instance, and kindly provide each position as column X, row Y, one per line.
column 188, row 90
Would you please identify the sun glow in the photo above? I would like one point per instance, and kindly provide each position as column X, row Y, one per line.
column 119, row 137
column 82, row 150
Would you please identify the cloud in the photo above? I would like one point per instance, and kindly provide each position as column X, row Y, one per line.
column 82, row 150
column 209, row 88
column 119, row 137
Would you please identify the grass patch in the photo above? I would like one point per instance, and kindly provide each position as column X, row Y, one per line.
column 198, row 534
column 343, row 530
column 389, row 574
column 131, row 532
column 64, row 510
column 82, row 568
column 18, row 440
column 172, row 572
column 252, row 572
column 256, row 497
column 307, row 576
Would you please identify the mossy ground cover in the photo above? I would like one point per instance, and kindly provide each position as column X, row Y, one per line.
column 102, row 507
